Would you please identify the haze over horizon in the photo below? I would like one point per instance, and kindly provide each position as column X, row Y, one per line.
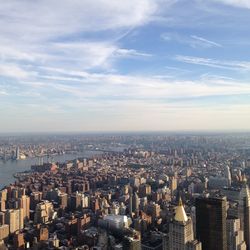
column 134, row 65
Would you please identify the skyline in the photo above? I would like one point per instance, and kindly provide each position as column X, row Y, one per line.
column 111, row 65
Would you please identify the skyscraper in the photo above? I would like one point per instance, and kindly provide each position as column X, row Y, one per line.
column 135, row 202
column 130, row 204
column 17, row 156
column 14, row 218
column 235, row 236
column 228, row 175
column 181, row 230
column 244, row 212
column 44, row 212
column 211, row 222
column 24, row 202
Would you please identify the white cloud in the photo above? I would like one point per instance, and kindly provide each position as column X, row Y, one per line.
column 85, row 55
column 236, row 3
column 56, row 34
column 131, row 53
column 135, row 87
column 123, row 102
column 3, row 92
column 47, row 19
column 206, row 42
column 54, row 52
column 13, row 71
column 221, row 64
column 192, row 41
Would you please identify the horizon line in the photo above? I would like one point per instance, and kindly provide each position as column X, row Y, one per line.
column 98, row 132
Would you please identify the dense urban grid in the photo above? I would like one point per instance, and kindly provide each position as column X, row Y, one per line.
column 145, row 191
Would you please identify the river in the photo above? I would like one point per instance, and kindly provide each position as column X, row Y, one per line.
column 10, row 167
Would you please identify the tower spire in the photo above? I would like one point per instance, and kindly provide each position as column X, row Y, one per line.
column 180, row 214
column 180, row 201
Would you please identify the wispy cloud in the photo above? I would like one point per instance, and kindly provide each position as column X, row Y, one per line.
column 3, row 92
column 126, row 98
column 131, row 53
column 76, row 63
column 236, row 3
column 221, row 64
column 206, row 42
column 47, row 19
column 13, row 71
column 45, row 33
column 99, row 86
column 190, row 40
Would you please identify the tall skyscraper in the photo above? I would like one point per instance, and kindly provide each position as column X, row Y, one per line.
column 244, row 212
column 76, row 200
column 135, row 202
column 14, row 218
column 228, row 175
column 4, row 231
column 181, row 230
column 235, row 236
column 3, row 199
column 24, row 202
column 173, row 184
column 17, row 156
column 211, row 216
column 130, row 204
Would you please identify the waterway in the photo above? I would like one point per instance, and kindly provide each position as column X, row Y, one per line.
column 10, row 167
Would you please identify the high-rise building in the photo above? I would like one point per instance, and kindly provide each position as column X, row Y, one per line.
column 3, row 194
column 173, row 184
column 135, row 202
column 44, row 212
column 235, row 236
column 228, row 175
column 42, row 233
column 4, row 231
column 2, row 205
column 244, row 212
column 63, row 200
column 3, row 199
column 35, row 198
column 14, row 218
column 211, row 222
column 130, row 204
column 76, row 201
column 154, row 210
column 18, row 240
column 2, row 218
column 181, row 233
column 24, row 203
column 144, row 190
column 17, row 156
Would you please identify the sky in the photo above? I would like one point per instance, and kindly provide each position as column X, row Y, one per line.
column 115, row 65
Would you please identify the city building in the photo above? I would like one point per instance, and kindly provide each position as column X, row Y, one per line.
column 235, row 236
column 244, row 212
column 211, row 216
column 4, row 231
column 14, row 218
column 181, row 233
column 44, row 212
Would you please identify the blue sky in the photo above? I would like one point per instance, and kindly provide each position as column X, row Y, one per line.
column 115, row 65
